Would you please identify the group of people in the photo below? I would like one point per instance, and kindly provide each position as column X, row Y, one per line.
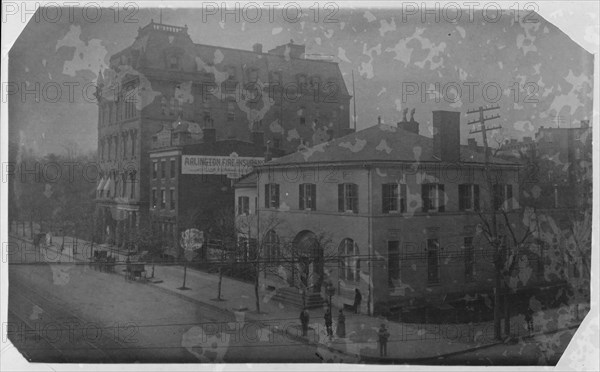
column 382, row 334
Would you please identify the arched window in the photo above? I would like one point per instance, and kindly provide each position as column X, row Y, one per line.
column 272, row 252
column 349, row 262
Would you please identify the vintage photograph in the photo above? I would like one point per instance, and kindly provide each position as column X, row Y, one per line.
column 292, row 182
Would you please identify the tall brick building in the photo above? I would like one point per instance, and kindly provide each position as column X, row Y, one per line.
column 164, row 76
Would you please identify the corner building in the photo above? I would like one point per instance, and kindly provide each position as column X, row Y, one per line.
column 401, row 213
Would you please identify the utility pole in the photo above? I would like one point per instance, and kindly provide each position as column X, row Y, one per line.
column 483, row 129
column 354, row 99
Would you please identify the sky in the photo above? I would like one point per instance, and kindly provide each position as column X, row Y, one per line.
column 401, row 59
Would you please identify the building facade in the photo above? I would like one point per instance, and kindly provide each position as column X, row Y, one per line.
column 395, row 214
column 191, row 185
column 164, row 75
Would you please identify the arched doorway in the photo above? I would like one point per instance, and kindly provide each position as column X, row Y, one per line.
column 308, row 258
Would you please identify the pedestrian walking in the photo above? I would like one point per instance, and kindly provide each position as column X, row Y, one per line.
column 340, row 331
column 529, row 320
column 357, row 300
column 329, row 323
column 383, row 335
column 304, row 318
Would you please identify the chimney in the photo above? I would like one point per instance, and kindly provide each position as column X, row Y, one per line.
column 446, row 135
column 268, row 154
column 294, row 50
column 411, row 126
column 258, row 139
column 257, row 48
column 378, row 120
column 210, row 135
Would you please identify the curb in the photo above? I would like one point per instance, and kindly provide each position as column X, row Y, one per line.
column 392, row 360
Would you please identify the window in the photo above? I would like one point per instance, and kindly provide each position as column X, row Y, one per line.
column 393, row 198
column 275, row 77
column 172, row 198
column 132, row 191
column 302, row 120
column 307, row 196
column 272, row 247
column 271, row 195
column 301, row 80
column 153, row 198
column 173, row 62
column 231, row 72
column 315, row 82
column 349, row 264
column 348, row 197
column 393, row 262
column 163, row 201
column 432, row 195
column 243, row 205
column 125, row 139
column 154, row 169
column 163, row 166
column 133, row 140
column 503, row 196
column 433, row 266
column 469, row 258
column 230, row 111
column 172, row 168
column 252, row 75
column 468, row 197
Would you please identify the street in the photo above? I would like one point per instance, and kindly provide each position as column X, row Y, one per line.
column 68, row 312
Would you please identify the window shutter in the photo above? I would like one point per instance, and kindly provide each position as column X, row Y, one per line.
column 441, row 198
column 354, row 188
column 267, row 196
column 402, row 205
column 276, row 196
column 313, row 196
column 385, row 208
column 424, row 197
column 509, row 195
column 301, row 188
column 341, row 197
column 476, row 197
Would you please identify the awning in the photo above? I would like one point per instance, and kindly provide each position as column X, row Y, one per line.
column 101, row 184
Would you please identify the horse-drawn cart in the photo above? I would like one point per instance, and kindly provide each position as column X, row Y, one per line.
column 135, row 271
column 98, row 260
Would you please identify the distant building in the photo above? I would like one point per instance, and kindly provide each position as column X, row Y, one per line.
column 191, row 178
column 401, row 213
column 164, row 75
column 556, row 164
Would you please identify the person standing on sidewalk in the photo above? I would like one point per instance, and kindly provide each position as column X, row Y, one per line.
column 383, row 336
column 329, row 322
column 341, row 325
column 357, row 301
column 529, row 320
column 304, row 318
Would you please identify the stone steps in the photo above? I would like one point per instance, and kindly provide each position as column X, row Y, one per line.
column 293, row 296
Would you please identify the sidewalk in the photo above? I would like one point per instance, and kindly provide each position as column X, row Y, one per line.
column 408, row 342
